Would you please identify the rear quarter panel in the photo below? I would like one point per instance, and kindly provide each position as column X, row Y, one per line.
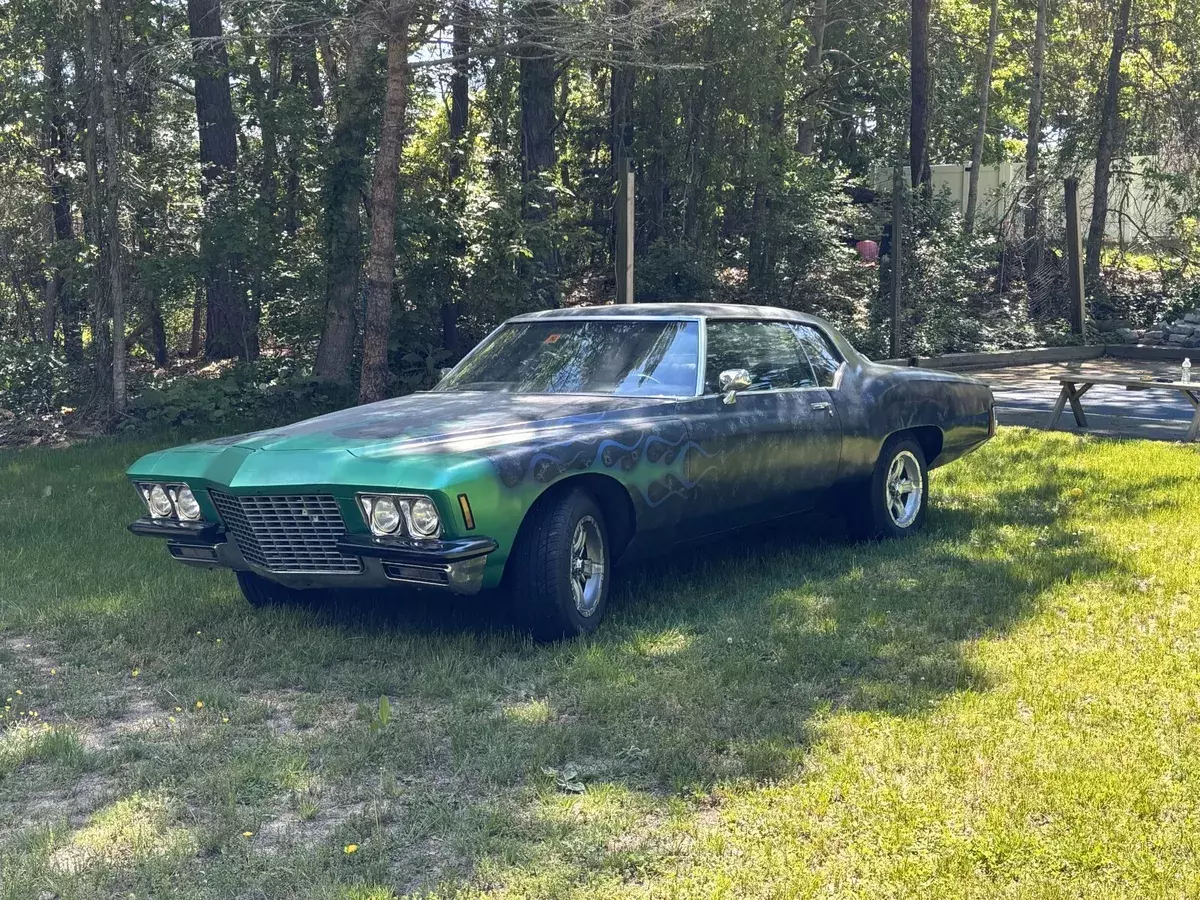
column 878, row 401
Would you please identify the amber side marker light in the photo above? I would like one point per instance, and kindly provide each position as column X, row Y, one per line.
column 465, row 505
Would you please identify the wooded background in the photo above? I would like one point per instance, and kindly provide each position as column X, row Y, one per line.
column 345, row 196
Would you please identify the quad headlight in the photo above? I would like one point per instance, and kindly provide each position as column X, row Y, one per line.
column 186, row 505
column 159, row 502
column 385, row 516
column 170, row 501
column 391, row 514
column 424, row 517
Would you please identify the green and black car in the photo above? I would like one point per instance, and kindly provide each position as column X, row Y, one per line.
column 565, row 441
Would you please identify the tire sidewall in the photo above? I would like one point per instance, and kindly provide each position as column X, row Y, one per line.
column 542, row 586
column 582, row 505
column 885, row 527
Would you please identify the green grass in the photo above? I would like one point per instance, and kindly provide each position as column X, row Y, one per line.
column 1005, row 705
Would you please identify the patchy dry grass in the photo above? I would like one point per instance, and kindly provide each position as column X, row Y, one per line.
column 1003, row 706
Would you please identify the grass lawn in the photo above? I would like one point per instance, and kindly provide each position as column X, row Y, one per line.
column 1006, row 705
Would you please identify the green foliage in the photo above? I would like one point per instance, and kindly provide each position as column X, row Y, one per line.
column 263, row 394
column 670, row 272
column 383, row 716
column 33, row 378
column 951, row 302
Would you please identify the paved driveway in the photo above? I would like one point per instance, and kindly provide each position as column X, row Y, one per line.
column 1025, row 395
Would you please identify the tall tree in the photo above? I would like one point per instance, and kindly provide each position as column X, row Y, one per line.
column 536, row 21
column 381, row 261
column 105, row 26
column 761, row 257
column 345, row 184
column 918, row 120
column 60, row 293
column 985, row 90
column 806, row 134
column 1110, row 115
column 231, row 329
column 621, row 84
column 459, row 116
column 1033, row 143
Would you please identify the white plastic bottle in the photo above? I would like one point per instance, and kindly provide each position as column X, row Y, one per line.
column 1187, row 371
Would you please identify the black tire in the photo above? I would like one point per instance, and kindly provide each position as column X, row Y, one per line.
column 544, row 564
column 875, row 511
column 261, row 593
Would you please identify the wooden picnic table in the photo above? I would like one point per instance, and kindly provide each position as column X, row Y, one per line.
column 1075, row 386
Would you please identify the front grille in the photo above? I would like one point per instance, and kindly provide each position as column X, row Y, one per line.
column 287, row 534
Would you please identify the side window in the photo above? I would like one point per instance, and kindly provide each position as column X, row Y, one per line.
column 767, row 350
column 821, row 353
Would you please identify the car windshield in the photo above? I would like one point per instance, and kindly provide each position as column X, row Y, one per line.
column 584, row 356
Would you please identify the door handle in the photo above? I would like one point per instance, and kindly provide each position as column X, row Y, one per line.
column 823, row 405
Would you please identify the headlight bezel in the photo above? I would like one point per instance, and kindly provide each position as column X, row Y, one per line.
column 177, row 498
column 404, row 504
column 172, row 490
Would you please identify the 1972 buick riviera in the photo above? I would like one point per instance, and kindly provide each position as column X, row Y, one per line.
column 567, row 440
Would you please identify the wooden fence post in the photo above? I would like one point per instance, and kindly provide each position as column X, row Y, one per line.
column 624, row 230
column 1077, row 310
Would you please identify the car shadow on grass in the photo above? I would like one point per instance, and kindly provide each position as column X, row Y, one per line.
column 716, row 671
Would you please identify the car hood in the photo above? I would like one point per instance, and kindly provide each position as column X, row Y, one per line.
column 450, row 422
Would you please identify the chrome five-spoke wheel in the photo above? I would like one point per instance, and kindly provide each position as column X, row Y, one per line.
column 904, row 487
column 587, row 565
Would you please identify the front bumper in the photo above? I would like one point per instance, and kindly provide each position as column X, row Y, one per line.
column 456, row 565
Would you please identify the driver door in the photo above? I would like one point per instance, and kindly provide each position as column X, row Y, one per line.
column 773, row 450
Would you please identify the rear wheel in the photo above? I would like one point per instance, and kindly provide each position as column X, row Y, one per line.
column 561, row 567
column 260, row 593
column 893, row 503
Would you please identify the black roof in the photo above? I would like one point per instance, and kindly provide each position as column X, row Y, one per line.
column 670, row 310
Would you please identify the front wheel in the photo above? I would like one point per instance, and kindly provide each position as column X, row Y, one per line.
column 561, row 567
column 893, row 503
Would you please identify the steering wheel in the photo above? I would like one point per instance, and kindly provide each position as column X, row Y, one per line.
column 646, row 376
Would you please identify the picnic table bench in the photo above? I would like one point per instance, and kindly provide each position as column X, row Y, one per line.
column 1075, row 386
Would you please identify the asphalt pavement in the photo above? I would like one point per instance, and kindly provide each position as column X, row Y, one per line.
column 1025, row 395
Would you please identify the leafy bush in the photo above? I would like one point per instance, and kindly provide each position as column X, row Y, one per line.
column 672, row 273
column 1140, row 298
column 950, row 302
column 33, row 380
column 264, row 394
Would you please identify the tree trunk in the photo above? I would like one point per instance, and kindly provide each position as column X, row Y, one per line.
column 85, row 62
column 58, row 163
column 985, row 90
column 345, row 181
column 381, row 263
column 697, row 118
column 1033, row 142
column 266, row 207
column 459, row 117
column 195, row 344
column 621, row 83
column 110, row 21
column 230, row 328
column 806, row 134
column 918, row 122
column 537, row 78
column 761, row 269
column 305, row 73
column 1109, row 120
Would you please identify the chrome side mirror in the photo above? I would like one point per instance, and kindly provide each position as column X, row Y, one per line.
column 730, row 382
column 444, row 371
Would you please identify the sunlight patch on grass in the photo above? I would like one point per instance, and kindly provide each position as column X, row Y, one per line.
column 133, row 829
column 20, row 744
column 528, row 712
